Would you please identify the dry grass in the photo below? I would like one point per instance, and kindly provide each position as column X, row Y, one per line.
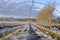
column 50, row 32
column 45, row 16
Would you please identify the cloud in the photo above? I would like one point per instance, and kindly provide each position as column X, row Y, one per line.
column 18, row 10
column 10, row 1
column 10, row 8
column 6, row 0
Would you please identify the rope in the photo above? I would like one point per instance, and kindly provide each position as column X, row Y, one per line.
column 31, row 11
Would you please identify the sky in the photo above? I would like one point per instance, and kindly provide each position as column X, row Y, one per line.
column 11, row 8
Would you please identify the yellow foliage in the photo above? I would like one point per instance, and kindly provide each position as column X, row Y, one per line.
column 45, row 14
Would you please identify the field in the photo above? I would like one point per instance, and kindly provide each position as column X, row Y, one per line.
column 13, row 29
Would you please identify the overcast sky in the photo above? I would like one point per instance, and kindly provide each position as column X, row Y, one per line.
column 11, row 8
